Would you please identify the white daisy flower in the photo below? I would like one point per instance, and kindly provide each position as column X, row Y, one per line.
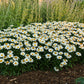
column 60, row 47
column 35, row 35
column 40, row 47
column 50, row 50
column 1, row 47
column 38, row 57
column 36, row 53
column 46, row 47
column 21, row 45
column 64, row 63
column 35, row 44
column 49, row 43
column 15, row 63
column 2, row 55
column 68, row 56
column 1, row 60
column 7, row 62
column 82, row 47
column 10, row 56
column 78, row 53
column 27, row 44
column 59, row 57
column 22, row 49
column 11, row 61
column 32, row 53
column 17, row 47
column 10, row 52
column 12, row 44
column 23, row 61
column 41, row 50
column 56, row 69
column 15, row 41
column 52, row 39
column 33, row 48
column 28, row 34
column 65, row 60
column 60, row 53
column 5, row 57
column 26, row 59
column 22, row 53
column 38, row 50
column 69, row 50
column 57, row 48
column 28, row 48
column 42, row 41
column 8, row 47
column 12, row 40
column 15, row 58
column 31, row 60
column 25, row 32
column 6, row 43
column 48, row 55
column 61, row 64
column 55, row 53
column 27, row 56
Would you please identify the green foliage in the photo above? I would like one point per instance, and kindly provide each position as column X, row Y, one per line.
column 80, row 80
column 43, row 64
column 18, row 12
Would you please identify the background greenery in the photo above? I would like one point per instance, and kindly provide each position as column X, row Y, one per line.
column 18, row 12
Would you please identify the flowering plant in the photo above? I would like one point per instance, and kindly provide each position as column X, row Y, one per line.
column 47, row 46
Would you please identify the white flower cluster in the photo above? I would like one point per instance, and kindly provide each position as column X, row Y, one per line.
column 52, row 37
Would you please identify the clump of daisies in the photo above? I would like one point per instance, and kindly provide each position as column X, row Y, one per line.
column 55, row 42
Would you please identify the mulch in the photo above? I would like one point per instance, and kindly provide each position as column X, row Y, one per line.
column 46, row 77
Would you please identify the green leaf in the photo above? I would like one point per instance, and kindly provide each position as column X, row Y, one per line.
column 80, row 80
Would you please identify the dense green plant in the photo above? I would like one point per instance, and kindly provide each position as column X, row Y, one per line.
column 50, row 45
column 80, row 80
column 18, row 12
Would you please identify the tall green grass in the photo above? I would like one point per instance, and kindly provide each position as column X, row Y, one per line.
column 18, row 12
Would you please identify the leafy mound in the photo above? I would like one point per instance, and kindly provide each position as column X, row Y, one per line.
column 48, row 46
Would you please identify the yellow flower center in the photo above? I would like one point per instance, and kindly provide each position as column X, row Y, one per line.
column 15, row 62
column 35, row 52
column 50, row 50
column 1, row 54
column 9, row 51
column 48, row 55
column 15, row 57
column 55, row 52
column 38, row 57
column 59, row 57
column 26, row 59
column 34, row 44
column 7, row 62
column 23, row 60
column 4, row 56
column 17, row 46
column 8, row 46
column 0, row 60
column 30, row 59
column 10, row 55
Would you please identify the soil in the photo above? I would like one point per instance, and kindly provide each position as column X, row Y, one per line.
column 46, row 77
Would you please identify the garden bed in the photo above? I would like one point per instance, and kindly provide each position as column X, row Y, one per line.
column 46, row 77
column 52, row 46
